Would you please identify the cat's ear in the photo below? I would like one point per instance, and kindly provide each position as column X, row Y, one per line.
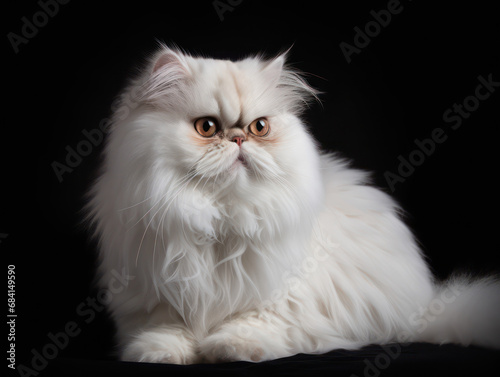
column 172, row 59
column 298, row 91
column 273, row 69
column 165, row 75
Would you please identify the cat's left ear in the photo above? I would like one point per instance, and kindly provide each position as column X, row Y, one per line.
column 273, row 69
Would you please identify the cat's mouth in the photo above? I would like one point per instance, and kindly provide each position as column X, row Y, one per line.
column 241, row 159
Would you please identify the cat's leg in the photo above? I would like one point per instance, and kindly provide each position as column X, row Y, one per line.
column 278, row 330
column 153, row 338
column 255, row 336
column 161, row 344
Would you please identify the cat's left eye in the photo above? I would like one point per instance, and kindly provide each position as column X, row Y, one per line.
column 260, row 127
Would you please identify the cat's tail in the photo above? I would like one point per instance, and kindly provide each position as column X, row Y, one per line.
column 464, row 310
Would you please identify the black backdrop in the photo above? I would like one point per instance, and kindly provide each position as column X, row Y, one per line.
column 63, row 75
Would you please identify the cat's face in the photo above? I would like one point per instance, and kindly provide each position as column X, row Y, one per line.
column 227, row 122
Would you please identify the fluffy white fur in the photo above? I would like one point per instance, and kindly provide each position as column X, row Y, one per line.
column 291, row 252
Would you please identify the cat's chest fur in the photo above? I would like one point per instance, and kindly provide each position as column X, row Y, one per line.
column 232, row 256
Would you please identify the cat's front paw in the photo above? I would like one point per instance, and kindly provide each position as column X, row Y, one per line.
column 225, row 347
column 170, row 346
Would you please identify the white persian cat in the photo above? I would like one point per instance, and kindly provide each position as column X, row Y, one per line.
column 243, row 241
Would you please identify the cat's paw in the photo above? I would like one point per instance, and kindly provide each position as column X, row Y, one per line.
column 170, row 346
column 225, row 347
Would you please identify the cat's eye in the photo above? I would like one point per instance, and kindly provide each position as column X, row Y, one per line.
column 260, row 127
column 206, row 127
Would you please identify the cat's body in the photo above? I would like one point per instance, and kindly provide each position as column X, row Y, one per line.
column 248, row 243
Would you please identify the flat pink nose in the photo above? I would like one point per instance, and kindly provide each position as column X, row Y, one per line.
column 238, row 140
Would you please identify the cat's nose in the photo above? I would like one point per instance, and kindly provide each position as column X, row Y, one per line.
column 238, row 140
column 236, row 135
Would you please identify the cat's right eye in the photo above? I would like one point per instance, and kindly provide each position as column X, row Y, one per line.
column 206, row 127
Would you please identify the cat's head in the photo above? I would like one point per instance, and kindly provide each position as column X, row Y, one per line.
column 229, row 125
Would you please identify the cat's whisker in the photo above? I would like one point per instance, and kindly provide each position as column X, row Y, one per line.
column 218, row 173
column 180, row 182
column 134, row 205
column 178, row 192
column 152, row 218
column 190, row 170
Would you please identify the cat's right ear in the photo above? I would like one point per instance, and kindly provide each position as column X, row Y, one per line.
column 166, row 73
column 170, row 59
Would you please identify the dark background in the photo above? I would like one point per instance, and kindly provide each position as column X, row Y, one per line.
column 395, row 90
